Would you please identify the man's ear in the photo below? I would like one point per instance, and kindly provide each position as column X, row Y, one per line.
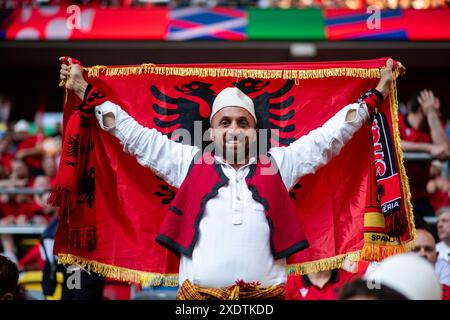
column 7, row 296
column 255, row 136
column 211, row 134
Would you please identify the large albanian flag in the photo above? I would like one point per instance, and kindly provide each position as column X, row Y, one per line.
column 355, row 207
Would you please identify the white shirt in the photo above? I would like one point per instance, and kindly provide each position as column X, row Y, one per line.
column 442, row 269
column 443, row 250
column 234, row 236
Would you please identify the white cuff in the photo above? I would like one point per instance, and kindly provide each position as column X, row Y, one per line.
column 101, row 110
column 361, row 112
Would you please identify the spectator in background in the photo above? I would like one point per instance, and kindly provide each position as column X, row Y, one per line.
column 57, row 131
column 29, row 147
column 46, row 212
column 5, row 107
column 399, row 277
column 314, row 286
column 6, row 152
column 322, row 285
column 52, row 148
column 443, row 226
column 358, row 290
column 16, row 208
column 438, row 187
column 3, row 173
column 42, row 214
column 19, row 176
column 50, row 169
column 425, row 247
column 9, row 277
column 421, row 130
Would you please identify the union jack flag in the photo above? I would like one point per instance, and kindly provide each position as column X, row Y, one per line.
column 207, row 24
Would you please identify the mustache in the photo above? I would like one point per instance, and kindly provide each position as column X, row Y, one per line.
column 238, row 137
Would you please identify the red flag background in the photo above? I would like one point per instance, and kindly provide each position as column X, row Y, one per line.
column 337, row 206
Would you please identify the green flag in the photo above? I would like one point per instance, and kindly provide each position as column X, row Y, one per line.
column 286, row 24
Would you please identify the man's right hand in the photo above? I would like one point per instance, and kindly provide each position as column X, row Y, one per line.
column 72, row 74
column 429, row 102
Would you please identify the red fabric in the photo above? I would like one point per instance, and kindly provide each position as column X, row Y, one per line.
column 445, row 292
column 179, row 228
column 31, row 142
column 287, row 234
column 75, row 183
column 33, row 256
column 439, row 200
column 130, row 202
column 417, row 171
column 53, row 182
column 5, row 161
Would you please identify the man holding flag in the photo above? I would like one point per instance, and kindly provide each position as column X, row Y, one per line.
column 232, row 221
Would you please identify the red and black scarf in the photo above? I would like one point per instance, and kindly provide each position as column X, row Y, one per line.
column 75, row 183
column 386, row 173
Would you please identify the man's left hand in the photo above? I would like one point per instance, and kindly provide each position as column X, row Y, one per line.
column 385, row 83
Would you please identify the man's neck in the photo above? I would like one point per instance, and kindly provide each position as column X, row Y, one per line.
column 236, row 164
column 447, row 242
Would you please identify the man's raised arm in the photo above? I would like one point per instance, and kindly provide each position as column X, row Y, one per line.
column 318, row 147
column 168, row 159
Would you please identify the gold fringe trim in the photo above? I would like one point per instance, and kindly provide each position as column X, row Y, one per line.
column 400, row 160
column 376, row 252
column 369, row 252
column 120, row 273
column 335, row 262
column 149, row 68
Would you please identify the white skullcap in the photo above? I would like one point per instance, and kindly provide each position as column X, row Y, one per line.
column 232, row 97
column 21, row 126
column 408, row 274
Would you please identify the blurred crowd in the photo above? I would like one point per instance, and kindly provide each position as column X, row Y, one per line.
column 28, row 167
column 329, row 4
column 423, row 130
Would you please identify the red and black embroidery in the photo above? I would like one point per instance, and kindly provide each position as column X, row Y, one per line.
column 268, row 109
column 167, row 195
column 72, row 150
column 92, row 98
column 86, row 187
column 295, row 188
column 83, row 238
